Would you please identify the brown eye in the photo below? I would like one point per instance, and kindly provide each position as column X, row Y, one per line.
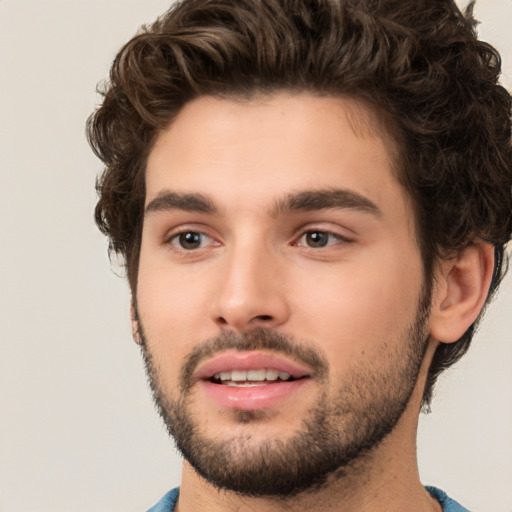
column 316, row 239
column 190, row 240
column 319, row 239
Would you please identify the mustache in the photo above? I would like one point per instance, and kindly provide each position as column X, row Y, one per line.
column 257, row 339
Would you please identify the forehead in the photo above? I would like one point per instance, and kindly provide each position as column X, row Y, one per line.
column 244, row 151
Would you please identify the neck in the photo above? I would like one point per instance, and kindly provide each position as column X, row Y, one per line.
column 394, row 488
column 387, row 479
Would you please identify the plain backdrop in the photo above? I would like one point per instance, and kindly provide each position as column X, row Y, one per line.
column 78, row 431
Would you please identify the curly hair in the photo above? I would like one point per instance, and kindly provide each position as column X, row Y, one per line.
column 419, row 63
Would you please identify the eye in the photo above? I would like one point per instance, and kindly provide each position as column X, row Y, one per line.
column 190, row 240
column 317, row 239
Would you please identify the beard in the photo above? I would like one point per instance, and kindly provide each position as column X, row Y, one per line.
column 336, row 434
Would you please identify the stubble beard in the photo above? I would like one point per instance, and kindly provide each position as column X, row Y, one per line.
column 335, row 435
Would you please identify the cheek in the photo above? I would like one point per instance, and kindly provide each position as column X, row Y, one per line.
column 364, row 305
column 171, row 306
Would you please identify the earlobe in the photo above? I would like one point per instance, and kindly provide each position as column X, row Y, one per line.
column 135, row 324
column 460, row 291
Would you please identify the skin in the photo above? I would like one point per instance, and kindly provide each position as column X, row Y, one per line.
column 351, row 300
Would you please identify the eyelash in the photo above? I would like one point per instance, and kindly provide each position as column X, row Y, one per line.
column 329, row 239
column 176, row 239
column 328, row 234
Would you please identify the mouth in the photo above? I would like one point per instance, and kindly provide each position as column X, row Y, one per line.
column 251, row 380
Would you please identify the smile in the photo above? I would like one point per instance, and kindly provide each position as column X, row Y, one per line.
column 251, row 380
column 242, row 378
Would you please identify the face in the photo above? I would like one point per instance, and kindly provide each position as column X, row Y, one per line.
column 280, row 298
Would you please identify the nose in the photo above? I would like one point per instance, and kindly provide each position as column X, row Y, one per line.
column 251, row 290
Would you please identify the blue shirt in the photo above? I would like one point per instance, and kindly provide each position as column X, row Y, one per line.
column 167, row 503
column 447, row 503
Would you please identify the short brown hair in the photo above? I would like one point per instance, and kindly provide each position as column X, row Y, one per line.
column 420, row 63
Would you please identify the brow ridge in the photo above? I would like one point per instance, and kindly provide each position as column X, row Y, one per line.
column 310, row 200
column 307, row 200
column 191, row 202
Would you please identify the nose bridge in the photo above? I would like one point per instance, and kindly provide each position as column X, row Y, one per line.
column 250, row 291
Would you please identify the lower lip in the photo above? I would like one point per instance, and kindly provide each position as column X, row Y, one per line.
column 252, row 398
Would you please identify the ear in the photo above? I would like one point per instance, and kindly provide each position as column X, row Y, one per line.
column 460, row 291
column 135, row 323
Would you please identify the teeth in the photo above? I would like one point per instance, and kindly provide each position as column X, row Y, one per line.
column 256, row 375
column 242, row 384
column 238, row 375
column 251, row 375
column 272, row 374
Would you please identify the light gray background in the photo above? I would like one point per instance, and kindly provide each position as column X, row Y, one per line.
column 77, row 427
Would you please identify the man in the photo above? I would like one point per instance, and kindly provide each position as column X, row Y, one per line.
column 312, row 199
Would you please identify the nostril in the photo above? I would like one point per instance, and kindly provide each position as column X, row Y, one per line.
column 265, row 318
column 242, row 320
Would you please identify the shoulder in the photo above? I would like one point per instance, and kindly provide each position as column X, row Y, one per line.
column 446, row 502
column 167, row 503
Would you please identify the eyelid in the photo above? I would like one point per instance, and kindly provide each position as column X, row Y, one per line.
column 175, row 239
column 345, row 235
column 172, row 234
column 338, row 239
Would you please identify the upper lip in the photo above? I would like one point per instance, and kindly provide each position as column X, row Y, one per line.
column 233, row 360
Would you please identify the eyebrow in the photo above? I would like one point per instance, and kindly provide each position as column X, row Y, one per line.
column 168, row 200
column 308, row 200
